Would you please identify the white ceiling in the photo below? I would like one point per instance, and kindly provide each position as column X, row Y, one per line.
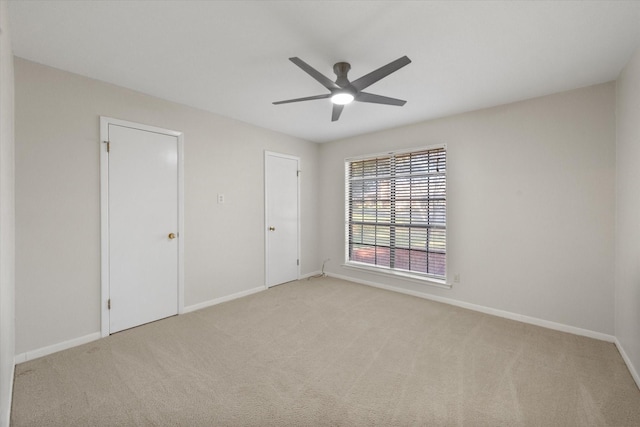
column 231, row 57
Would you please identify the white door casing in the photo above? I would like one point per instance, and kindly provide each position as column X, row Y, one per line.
column 142, row 204
column 282, row 218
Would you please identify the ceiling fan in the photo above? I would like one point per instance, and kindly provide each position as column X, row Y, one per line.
column 342, row 91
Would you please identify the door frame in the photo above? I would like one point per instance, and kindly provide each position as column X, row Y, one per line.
column 266, row 213
column 104, row 213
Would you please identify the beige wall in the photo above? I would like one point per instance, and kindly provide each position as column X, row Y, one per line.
column 7, row 225
column 531, row 197
column 530, row 205
column 627, row 292
column 58, row 205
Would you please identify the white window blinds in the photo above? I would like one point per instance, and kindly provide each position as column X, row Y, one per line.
column 396, row 211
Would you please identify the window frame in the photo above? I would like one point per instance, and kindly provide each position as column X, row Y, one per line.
column 415, row 276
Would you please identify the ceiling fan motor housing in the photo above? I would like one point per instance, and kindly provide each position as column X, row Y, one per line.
column 341, row 69
column 346, row 93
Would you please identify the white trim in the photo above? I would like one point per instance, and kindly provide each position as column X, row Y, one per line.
column 104, row 213
column 45, row 351
column 104, row 228
column 220, row 300
column 7, row 419
column 627, row 361
column 181, row 214
column 266, row 219
column 487, row 310
column 380, row 271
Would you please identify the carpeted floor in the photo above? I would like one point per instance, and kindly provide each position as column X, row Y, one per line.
column 330, row 352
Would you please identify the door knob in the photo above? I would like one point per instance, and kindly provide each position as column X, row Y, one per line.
column 172, row 235
column 272, row 229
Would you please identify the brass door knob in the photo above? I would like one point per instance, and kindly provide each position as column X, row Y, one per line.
column 172, row 235
column 272, row 229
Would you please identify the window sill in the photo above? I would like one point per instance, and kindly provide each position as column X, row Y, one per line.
column 425, row 280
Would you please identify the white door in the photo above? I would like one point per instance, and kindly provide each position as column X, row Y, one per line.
column 142, row 226
column 282, row 218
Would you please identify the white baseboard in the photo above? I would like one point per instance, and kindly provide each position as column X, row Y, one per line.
column 627, row 360
column 220, row 300
column 306, row 276
column 44, row 351
column 487, row 310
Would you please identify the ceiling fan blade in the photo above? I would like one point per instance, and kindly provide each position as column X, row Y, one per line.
column 369, row 79
column 306, row 98
column 324, row 81
column 379, row 99
column 337, row 110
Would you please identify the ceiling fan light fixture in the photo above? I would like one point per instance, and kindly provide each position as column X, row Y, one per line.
column 342, row 98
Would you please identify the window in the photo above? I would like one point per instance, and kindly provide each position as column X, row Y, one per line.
column 396, row 212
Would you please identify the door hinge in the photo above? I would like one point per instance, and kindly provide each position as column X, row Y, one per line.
column 108, row 145
column 297, row 173
column 298, row 262
column 109, row 304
